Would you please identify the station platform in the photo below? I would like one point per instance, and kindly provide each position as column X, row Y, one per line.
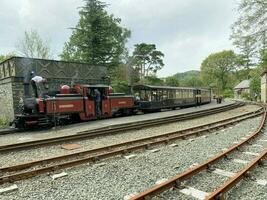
column 91, row 125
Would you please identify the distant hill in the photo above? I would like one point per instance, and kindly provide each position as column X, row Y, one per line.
column 185, row 75
column 189, row 79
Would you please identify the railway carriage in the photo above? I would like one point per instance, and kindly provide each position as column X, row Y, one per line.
column 154, row 98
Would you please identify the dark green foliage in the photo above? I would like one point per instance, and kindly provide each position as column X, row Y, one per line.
column 153, row 80
column 147, row 59
column 228, row 93
column 98, row 38
column 120, row 86
column 189, row 79
column 172, row 81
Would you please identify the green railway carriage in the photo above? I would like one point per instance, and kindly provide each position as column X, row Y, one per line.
column 154, row 98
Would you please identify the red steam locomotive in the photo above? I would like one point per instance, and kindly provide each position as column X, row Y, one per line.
column 73, row 104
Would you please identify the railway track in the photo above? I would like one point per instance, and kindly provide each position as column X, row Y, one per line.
column 114, row 129
column 176, row 182
column 30, row 169
column 5, row 131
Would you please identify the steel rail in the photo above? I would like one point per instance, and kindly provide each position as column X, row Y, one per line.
column 218, row 193
column 113, row 150
column 115, row 129
column 176, row 180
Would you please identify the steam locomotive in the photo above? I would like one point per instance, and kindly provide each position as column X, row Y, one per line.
column 76, row 103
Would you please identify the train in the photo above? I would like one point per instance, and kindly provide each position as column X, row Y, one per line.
column 77, row 103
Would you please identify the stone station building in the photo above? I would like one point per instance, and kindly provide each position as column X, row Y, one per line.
column 16, row 70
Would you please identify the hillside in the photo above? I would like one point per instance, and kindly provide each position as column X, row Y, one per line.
column 185, row 75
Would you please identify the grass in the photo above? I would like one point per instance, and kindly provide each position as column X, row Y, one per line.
column 3, row 123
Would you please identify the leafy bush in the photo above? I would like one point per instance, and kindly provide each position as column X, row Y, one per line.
column 228, row 93
column 245, row 95
column 3, row 122
column 120, row 86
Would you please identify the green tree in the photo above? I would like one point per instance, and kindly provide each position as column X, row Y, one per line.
column 33, row 46
column 153, row 80
column 216, row 69
column 147, row 59
column 98, row 38
column 172, row 81
column 191, row 81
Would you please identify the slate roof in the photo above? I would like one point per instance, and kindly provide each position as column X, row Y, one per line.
column 243, row 84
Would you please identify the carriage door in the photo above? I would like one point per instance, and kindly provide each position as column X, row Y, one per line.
column 198, row 97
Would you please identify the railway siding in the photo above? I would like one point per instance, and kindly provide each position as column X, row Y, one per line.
column 22, row 156
column 121, row 177
column 92, row 125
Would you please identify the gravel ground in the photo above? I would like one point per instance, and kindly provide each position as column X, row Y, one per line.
column 246, row 189
column 91, row 125
column 120, row 177
column 22, row 156
column 250, row 190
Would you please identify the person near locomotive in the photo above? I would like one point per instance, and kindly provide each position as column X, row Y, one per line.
column 97, row 97
column 36, row 82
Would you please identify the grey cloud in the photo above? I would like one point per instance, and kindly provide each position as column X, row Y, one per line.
column 185, row 30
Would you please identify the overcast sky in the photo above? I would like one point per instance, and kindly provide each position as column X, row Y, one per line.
column 186, row 31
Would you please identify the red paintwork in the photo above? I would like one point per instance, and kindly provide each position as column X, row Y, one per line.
column 64, row 106
column 90, row 108
column 41, row 106
column 69, row 102
column 106, row 110
column 122, row 102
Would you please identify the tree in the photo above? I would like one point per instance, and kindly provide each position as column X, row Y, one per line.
column 147, row 59
column 172, row 81
column 247, row 48
column 216, row 69
column 255, row 82
column 98, row 38
column 153, row 80
column 33, row 46
column 249, row 31
column 191, row 81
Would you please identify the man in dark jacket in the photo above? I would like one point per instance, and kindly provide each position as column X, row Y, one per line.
column 97, row 97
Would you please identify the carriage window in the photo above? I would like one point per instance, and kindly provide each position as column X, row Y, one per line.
column 191, row 93
column 164, row 94
column 171, row 94
column 154, row 95
column 142, row 95
column 177, row 94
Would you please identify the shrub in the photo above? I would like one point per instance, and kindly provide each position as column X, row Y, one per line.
column 245, row 95
column 3, row 122
column 228, row 93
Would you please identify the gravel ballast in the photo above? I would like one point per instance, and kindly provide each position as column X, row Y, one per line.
column 120, row 177
column 12, row 158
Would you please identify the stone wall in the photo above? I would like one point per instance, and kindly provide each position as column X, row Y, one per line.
column 16, row 70
column 263, row 87
column 6, row 100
